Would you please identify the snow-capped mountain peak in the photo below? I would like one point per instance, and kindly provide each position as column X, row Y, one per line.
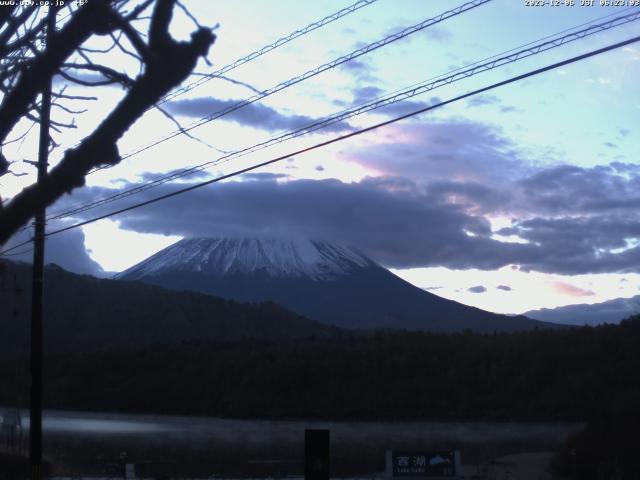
column 319, row 280
column 274, row 257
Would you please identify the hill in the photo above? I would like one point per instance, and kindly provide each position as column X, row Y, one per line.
column 83, row 313
column 611, row 311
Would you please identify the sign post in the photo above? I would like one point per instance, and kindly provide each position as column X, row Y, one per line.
column 316, row 454
column 432, row 464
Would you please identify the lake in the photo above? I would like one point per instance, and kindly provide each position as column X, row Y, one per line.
column 92, row 442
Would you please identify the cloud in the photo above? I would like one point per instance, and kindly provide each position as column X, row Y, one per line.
column 366, row 94
column 91, row 77
column 571, row 290
column 254, row 115
column 356, row 65
column 458, row 150
column 370, row 93
column 481, row 100
column 584, row 244
column 407, row 106
column 360, row 68
column 484, row 100
column 151, row 176
column 476, row 165
column 585, row 219
column 477, row 289
column 65, row 249
column 438, row 34
column 261, row 176
column 568, row 189
column 389, row 219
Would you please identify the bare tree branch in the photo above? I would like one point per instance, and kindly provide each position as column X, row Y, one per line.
column 26, row 40
column 17, row 174
column 73, row 97
column 117, row 42
column 69, row 110
column 185, row 132
column 109, row 73
column 13, row 25
column 94, row 16
column 239, row 82
column 188, row 14
column 133, row 37
column 22, row 136
column 167, row 63
column 159, row 29
column 6, row 13
column 138, row 10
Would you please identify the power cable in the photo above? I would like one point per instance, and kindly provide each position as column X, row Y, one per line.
column 316, row 71
column 352, row 134
column 267, row 48
column 414, row 90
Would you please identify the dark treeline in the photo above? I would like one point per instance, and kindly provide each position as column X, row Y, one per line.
column 576, row 374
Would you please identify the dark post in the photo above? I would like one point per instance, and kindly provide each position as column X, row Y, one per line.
column 35, row 426
column 316, row 454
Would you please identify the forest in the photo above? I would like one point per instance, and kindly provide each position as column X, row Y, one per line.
column 574, row 374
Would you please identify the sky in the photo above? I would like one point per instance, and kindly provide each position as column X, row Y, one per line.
column 520, row 198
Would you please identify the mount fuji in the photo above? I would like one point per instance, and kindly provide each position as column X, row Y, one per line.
column 323, row 281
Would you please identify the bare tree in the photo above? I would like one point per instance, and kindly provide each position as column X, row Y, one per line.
column 27, row 65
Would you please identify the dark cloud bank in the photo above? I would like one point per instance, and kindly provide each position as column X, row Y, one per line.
column 254, row 115
column 67, row 250
column 396, row 222
column 477, row 289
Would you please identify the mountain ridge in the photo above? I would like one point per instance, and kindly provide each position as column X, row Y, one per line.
column 609, row 311
column 84, row 313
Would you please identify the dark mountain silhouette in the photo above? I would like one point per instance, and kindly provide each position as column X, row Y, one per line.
column 323, row 281
column 86, row 313
column 611, row 311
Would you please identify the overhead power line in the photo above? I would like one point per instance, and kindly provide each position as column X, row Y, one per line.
column 418, row 89
column 316, row 71
column 267, row 48
column 340, row 138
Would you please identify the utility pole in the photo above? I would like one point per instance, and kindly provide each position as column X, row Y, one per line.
column 35, row 412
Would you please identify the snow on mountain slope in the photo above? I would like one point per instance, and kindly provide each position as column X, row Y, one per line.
column 277, row 258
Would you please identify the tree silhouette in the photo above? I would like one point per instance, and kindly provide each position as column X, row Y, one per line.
column 27, row 66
